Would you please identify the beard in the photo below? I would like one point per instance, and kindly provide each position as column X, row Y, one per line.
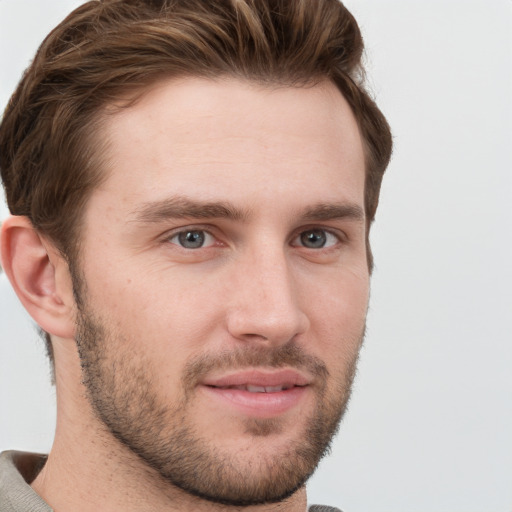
column 124, row 396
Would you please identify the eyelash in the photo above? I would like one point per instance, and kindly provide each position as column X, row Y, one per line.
column 195, row 229
column 337, row 236
column 318, row 231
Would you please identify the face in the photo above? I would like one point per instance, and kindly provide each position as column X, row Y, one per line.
column 224, row 283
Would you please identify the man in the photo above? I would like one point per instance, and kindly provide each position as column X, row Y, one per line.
column 192, row 185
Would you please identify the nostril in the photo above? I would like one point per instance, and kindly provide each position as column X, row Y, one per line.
column 256, row 336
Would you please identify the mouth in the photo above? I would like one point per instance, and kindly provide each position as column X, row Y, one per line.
column 259, row 380
column 259, row 393
column 258, row 389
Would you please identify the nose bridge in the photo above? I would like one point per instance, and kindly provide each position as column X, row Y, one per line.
column 267, row 304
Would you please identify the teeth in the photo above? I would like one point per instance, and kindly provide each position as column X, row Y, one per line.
column 256, row 389
column 264, row 389
column 273, row 389
column 259, row 389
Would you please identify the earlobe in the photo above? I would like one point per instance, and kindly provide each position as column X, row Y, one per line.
column 39, row 276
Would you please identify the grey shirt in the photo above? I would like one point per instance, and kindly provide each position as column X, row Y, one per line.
column 18, row 469
column 16, row 495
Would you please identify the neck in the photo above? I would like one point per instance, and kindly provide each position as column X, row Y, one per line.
column 73, row 480
column 88, row 469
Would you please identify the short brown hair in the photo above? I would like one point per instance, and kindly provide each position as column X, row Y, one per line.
column 49, row 157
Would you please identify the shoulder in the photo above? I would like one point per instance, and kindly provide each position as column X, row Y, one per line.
column 323, row 508
column 16, row 470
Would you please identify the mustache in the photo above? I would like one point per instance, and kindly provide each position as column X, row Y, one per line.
column 289, row 355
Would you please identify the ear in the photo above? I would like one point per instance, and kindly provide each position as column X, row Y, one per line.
column 39, row 275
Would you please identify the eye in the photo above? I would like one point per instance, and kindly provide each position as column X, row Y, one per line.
column 316, row 239
column 192, row 239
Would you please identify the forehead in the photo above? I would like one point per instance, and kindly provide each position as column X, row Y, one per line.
column 239, row 135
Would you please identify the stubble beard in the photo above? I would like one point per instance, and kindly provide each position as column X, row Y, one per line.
column 122, row 394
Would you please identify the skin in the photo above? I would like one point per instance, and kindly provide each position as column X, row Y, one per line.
column 286, row 163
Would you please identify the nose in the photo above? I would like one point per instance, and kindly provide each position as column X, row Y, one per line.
column 266, row 305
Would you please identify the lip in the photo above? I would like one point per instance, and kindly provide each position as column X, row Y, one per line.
column 269, row 404
column 259, row 378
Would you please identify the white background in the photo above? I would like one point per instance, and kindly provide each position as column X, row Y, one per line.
column 430, row 424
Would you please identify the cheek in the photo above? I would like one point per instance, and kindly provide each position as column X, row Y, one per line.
column 340, row 301
column 338, row 316
column 157, row 319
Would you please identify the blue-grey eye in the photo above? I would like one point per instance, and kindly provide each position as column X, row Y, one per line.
column 314, row 239
column 192, row 239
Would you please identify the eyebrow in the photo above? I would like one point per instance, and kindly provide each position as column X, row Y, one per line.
column 330, row 211
column 182, row 208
